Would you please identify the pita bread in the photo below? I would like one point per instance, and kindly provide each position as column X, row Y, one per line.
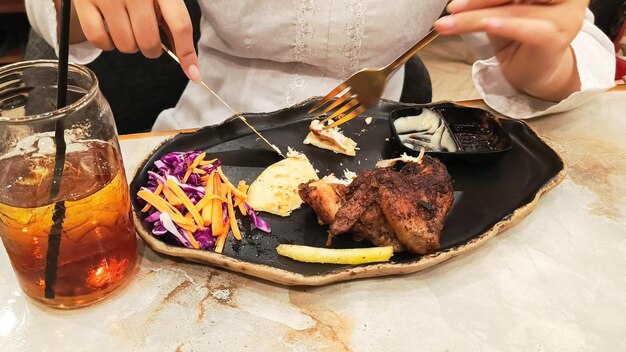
column 275, row 191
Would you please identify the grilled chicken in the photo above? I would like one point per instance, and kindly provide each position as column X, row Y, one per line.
column 373, row 226
column 404, row 209
column 324, row 197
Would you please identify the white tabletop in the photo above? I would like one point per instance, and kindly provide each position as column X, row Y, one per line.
column 553, row 282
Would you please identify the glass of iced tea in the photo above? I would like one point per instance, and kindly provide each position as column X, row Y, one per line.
column 75, row 245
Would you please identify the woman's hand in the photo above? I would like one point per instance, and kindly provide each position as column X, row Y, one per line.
column 133, row 25
column 531, row 40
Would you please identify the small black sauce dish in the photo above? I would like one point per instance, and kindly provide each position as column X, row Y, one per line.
column 477, row 134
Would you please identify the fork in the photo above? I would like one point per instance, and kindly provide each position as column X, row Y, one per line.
column 364, row 88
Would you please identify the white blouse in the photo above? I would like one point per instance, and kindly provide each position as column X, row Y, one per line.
column 261, row 56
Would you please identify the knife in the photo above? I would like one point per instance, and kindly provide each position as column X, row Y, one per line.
column 243, row 119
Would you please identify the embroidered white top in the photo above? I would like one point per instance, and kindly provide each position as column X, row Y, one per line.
column 266, row 55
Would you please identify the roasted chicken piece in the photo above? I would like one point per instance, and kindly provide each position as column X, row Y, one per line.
column 373, row 226
column 326, row 197
column 405, row 209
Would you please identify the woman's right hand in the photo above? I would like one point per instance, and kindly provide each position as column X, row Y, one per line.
column 133, row 25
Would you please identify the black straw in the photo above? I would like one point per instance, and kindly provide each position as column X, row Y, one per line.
column 54, row 238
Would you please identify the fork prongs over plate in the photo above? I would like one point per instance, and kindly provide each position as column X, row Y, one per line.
column 347, row 117
column 347, row 106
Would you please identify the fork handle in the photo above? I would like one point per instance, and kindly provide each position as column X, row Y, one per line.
column 409, row 53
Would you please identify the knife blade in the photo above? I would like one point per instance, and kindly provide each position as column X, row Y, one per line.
column 238, row 115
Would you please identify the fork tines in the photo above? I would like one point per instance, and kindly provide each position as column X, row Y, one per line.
column 347, row 106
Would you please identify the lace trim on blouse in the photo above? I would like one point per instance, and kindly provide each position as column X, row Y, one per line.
column 305, row 31
column 355, row 31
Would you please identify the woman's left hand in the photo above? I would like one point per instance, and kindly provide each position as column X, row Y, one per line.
column 531, row 40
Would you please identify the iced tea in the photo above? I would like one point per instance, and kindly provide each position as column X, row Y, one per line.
column 98, row 247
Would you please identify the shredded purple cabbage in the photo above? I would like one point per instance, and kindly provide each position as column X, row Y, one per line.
column 153, row 176
column 211, row 168
column 154, row 216
column 159, row 229
column 205, row 238
column 224, row 213
column 256, row 220
column 194, row 180
column 171, row 227
column 176, row 163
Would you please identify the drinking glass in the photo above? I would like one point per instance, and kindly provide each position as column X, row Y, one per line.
column 71, row 246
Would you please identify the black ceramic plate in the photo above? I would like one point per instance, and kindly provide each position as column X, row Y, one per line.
column 487, row 197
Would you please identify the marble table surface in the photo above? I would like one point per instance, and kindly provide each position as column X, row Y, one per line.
column 553, row 282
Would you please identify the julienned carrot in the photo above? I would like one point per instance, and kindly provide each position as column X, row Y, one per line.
column 206, row 200
column 219, row 245
column 207, row 216
column 173, row 207
column 161, row 205
column 243, row 187
column 157, row 191
column 234, row 189
column 189, row 227
column 199, row 171
column 216, row 211
column 204, row 179
column 171, row 197
column 226, row 228
column 224, row 190
column 191, row 239
column 239, row 201
column 192, row 166
column 192, row 225
column 186, row 201
column 208, row 162
column 232, row 218
column 207, row 212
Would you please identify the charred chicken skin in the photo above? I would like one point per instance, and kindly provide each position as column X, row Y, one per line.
column 405, row 209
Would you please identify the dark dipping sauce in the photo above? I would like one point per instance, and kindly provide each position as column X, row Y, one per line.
column 473, row 138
